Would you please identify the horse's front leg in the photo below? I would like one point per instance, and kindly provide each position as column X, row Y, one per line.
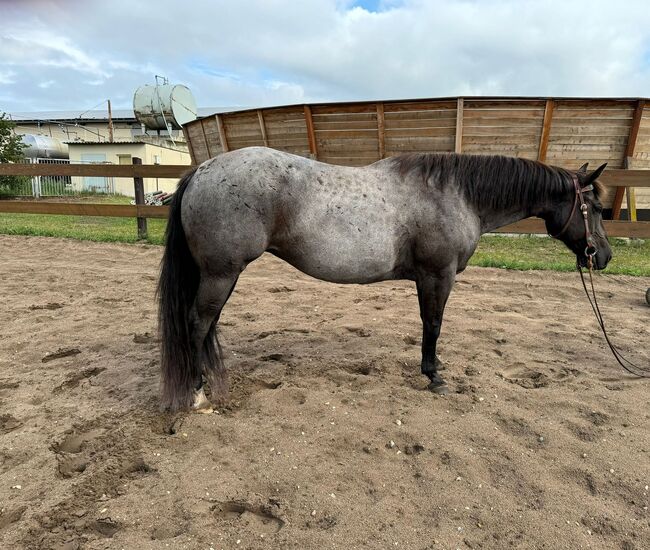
column 433, row 291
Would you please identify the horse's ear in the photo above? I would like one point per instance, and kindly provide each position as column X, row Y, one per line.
column 583, row 169
column 596, row 173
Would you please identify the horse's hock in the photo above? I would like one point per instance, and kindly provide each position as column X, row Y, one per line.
column 559, row 131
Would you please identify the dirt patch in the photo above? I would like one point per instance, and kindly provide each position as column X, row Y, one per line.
column 330, row 439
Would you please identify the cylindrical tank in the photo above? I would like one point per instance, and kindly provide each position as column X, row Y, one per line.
column 44, row 147
column 170, row 103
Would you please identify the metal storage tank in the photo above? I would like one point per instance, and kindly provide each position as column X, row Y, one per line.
column 44, row 147
column 163, row 107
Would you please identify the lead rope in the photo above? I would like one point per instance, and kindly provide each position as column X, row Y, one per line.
column 635, row 370
column 590, row 252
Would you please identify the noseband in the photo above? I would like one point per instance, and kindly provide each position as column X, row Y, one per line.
column 590, row 250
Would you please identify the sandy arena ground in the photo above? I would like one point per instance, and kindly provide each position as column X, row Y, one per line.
column 331, row 439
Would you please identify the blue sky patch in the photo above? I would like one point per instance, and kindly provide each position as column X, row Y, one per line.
column 375, row 6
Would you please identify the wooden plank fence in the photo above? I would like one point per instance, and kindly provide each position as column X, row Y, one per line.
column 562, row 131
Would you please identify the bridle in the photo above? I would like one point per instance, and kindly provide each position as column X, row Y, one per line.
column 590, row 252
column 590, row 249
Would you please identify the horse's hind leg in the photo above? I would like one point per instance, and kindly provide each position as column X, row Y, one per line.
column 211, row 296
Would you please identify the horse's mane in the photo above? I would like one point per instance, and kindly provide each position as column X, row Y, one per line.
column 490, row 180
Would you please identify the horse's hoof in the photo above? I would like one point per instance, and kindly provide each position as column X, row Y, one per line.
column 201, row 403
column 439, row 389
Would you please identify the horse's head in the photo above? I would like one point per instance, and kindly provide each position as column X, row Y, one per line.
column 584, row 236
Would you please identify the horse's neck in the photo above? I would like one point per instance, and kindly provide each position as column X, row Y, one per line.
column 493, row 219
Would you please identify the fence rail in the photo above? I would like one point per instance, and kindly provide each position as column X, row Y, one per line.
column 96, row 170
column 528, row 226
column 613, row 178
column 610, row 178
column 84, row 209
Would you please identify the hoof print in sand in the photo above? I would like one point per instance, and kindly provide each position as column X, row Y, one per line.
column 76, row 379
column 7, row 516
column 529, row 378
column 73, row 465
column 8, row 423
column 359, row 331
column 525, row 377
column 71, row 461
column 136, row 468
column 105, row 527
column 262, row 518
column 75, row 441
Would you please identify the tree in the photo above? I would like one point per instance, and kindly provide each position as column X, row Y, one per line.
column 11, row 150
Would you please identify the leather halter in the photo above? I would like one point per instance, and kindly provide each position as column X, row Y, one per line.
column 590, row 249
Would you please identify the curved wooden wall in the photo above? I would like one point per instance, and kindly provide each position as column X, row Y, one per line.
column 561, row 131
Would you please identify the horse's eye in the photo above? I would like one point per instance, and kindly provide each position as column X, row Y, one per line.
column 598, row 208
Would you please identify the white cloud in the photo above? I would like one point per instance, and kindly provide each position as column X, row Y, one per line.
column 260, row 52
column 7, row 77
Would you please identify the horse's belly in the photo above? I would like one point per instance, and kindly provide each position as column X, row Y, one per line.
column 348, row 261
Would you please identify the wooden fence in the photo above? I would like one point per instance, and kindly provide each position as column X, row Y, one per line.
column 611, row 178
column 561, row 131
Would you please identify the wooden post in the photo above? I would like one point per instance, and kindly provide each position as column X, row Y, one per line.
column 311, row 135
column 631, row 204
column 629, row 152
column 260, row 117
column 186, row 132
column 205, row 138
column 138, row 184
column 222, row 134
column 546, row 130
column 110, row 122
column 629, row 194
column 381, row 128
column 459, row 125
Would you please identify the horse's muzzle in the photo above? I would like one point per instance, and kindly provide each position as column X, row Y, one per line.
column 599, row 260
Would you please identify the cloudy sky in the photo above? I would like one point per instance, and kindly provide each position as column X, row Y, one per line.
column 73, row 54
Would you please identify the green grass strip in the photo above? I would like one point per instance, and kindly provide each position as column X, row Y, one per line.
column 631, row 257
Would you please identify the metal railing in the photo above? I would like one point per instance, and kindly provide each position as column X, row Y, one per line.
column 62, row 186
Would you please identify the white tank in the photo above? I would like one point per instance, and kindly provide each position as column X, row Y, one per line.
column 158, row 107
column 44, row 147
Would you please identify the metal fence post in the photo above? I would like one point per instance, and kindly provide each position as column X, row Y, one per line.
column 138, row 184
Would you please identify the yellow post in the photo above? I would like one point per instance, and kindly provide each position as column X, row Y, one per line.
column 631, row 203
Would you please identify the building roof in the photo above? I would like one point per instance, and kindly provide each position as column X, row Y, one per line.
column 120, row 142
column 101, row 115
column 123, row 142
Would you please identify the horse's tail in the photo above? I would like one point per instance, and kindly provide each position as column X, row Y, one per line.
column 177, row 288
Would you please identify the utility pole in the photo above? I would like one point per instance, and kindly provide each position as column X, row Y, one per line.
column 110, row 122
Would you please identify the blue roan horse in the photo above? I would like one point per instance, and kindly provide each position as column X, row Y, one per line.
column 417, row 217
